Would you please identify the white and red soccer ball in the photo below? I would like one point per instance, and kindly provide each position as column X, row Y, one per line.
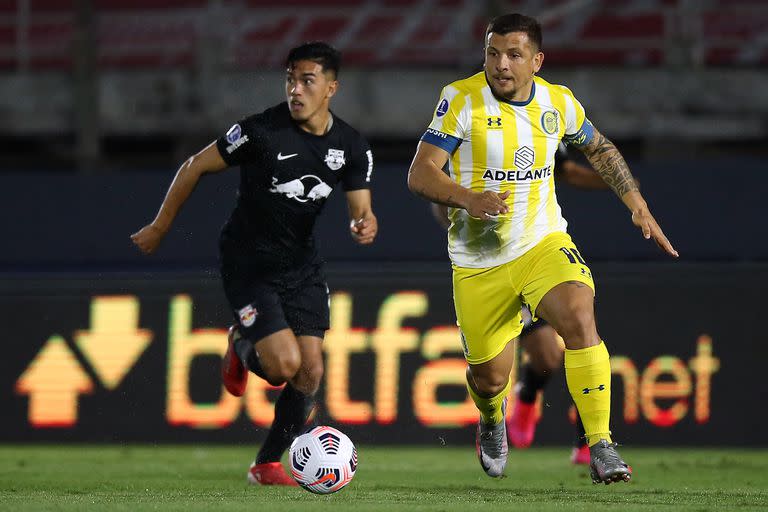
column 323, row 460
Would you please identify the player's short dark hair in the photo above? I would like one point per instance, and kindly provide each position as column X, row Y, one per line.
column 317, row 51
column 515, row 22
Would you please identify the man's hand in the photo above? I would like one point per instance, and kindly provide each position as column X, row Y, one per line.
column 148, row 238
column 364, row 230
column 488, row 204
column 643, row 219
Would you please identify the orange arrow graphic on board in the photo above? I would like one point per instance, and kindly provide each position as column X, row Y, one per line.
column 114, row 342
column 53, row 381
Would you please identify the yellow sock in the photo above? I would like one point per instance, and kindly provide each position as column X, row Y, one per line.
column 588, row 372
column 490, row 408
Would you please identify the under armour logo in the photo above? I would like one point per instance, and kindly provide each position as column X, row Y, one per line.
column 586, row 391
column 494, row 120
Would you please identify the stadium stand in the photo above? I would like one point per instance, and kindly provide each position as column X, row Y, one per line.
column 144, row 34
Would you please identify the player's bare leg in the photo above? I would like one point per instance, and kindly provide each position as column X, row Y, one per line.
column 569, row 308
column 489, row 384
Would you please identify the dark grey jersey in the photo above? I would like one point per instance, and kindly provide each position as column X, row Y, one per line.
column 286, row 175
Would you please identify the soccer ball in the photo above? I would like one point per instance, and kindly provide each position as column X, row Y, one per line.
column 323, row 460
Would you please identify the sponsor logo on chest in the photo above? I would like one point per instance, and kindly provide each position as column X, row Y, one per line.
column 307, row 188
column 517, row 175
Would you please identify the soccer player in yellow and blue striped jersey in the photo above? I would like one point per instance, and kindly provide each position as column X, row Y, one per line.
column 498, row 133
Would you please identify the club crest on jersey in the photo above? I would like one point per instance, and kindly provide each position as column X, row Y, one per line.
column 335, row 159
column 549, row 121
column 247, row 315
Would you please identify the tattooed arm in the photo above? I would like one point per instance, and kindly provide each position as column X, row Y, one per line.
column 612, row 167
column 427, row 179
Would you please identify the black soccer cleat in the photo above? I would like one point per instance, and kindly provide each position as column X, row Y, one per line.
column 606, row 465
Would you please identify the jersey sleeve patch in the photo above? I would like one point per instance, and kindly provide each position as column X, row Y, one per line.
column 583, row 135
column 442, row 140
column 442, row 108
column 237, row 144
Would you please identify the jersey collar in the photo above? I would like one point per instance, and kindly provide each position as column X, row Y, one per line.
column 513, row 103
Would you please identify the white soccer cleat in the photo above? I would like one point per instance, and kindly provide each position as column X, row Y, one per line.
column 492, row 447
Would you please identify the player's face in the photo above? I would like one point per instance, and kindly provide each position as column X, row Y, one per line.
column 308, row 89
column 511, row 60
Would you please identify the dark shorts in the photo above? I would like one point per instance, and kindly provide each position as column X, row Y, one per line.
column 529, row 326
column 262, row 305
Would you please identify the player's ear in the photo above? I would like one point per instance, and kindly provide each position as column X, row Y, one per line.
column 538, row 60
column 333, row 86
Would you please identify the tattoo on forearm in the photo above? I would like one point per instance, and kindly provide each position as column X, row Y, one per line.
column 609, row 164
column 435, row 198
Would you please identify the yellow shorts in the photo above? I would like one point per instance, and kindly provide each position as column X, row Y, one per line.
column 489, row 300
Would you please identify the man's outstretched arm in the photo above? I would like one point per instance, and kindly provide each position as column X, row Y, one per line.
column 207, row 160
column 614, row 171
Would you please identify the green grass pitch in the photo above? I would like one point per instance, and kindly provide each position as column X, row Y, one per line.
column 202, row 478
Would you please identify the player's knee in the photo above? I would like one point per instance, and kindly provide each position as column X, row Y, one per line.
column 308, row 378
column 577, row 323
column 283, row 368
column 551, row 360
column 491, row 384
column 547, row 363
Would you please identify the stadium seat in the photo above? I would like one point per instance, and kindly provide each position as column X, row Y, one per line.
column 156, row 35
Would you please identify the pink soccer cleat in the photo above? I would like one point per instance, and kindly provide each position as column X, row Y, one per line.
column 233, row 373
column 269, row 473
column 580, row 455
column 521, row 426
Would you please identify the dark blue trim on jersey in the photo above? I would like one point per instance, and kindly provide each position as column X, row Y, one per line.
column 441, row 140
column 583, row 136
column 510, row 102
column 524, row 103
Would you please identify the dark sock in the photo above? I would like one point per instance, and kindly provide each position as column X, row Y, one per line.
column 291, row 412
column 530, row 383
column 581, row 436
column 245, row 350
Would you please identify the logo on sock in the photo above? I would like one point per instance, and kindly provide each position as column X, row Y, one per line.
column 586, row 391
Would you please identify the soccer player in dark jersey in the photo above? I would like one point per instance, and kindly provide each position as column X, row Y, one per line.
column 290, row 156
column 539, row 340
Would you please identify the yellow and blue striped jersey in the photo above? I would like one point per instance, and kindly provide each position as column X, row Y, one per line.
column 502, row 145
